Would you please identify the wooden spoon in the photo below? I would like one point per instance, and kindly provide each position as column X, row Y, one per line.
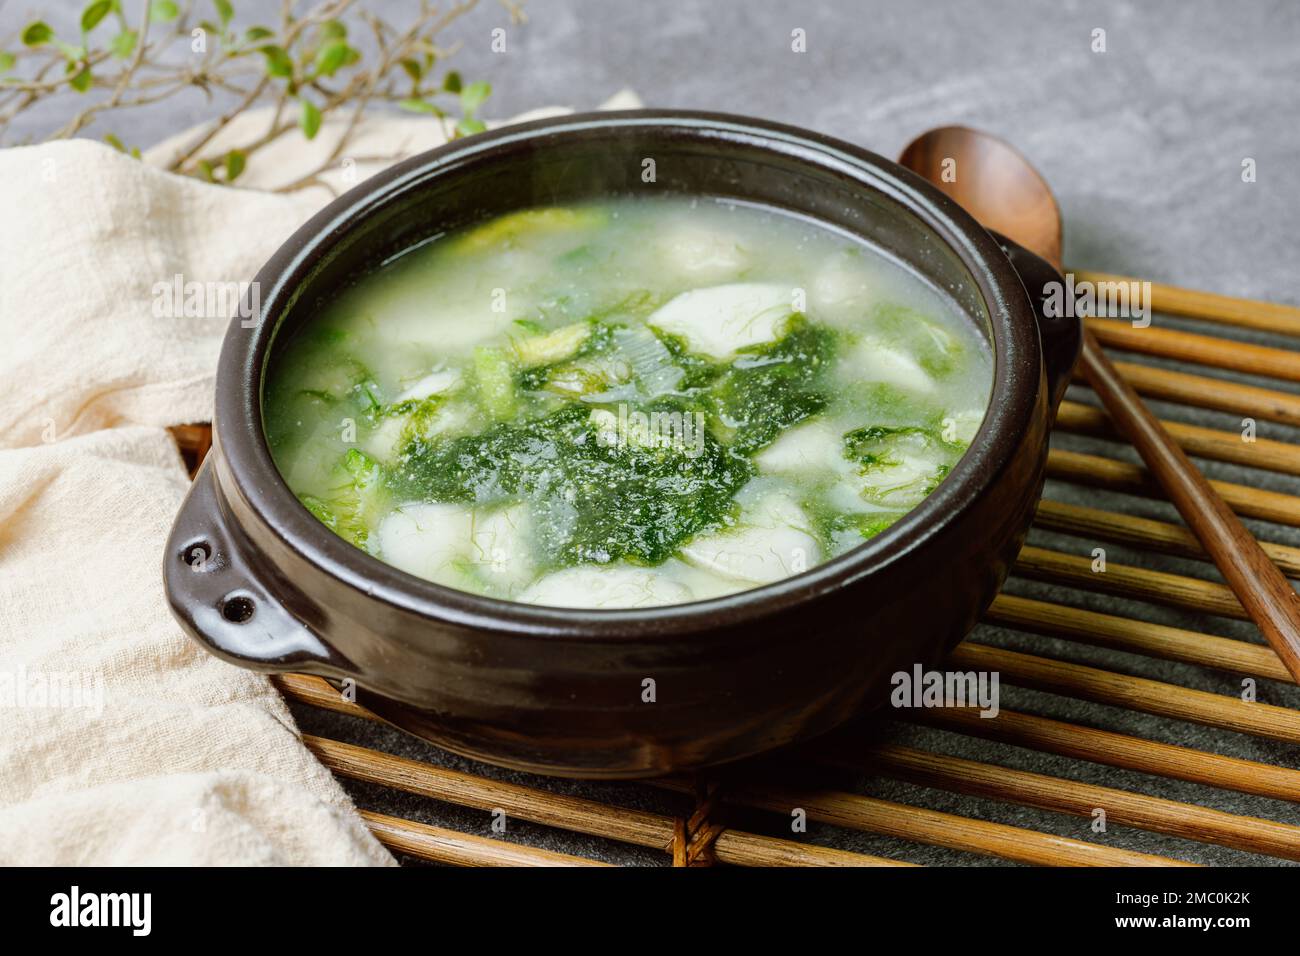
column 1000, row 188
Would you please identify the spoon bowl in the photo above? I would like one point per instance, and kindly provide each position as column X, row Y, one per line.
column 992, row 181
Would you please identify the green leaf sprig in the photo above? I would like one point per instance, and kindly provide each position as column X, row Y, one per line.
column 308, row 66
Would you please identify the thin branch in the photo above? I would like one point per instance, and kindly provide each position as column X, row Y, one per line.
column 245, row 68
column 86, row 115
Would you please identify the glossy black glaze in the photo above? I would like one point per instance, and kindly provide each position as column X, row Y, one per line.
column 558, row 690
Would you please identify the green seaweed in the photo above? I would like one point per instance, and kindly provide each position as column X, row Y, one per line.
column 593, row 500
column 773, row 386
column 698, row 371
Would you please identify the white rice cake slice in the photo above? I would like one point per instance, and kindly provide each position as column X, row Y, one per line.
column 702, row 254
column 428, row 540
column 606, row 586
column 874, row 360
column 447, row 317
column 456, row 546
column 900, row 485
column 721, row 320
column 499, row 549
column 961, row 427
column 842, row 288
column 772, row 542
column 813, row 448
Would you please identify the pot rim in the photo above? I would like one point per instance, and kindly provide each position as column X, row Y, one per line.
column 248, row 470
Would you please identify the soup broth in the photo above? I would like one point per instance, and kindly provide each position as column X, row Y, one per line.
column 628, row 403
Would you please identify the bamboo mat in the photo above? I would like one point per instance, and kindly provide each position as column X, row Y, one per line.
column 1123, row 737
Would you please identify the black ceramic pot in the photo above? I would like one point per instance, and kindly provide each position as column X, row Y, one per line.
column 261, row 583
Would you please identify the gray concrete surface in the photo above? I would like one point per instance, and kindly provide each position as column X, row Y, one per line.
column 1144, row 145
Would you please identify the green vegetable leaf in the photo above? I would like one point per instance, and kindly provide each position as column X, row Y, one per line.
column 277, row 61
column 415, row 105
column 94, row 12
column 73, row 53
column 468, row 127
column 81, row 79
column 117, row 144
column 163, row 11
column 309, row 119
column 37, row 34
column 236, row 160
column 472, row 97
column 224, row 10
column 331, row 57
column 334, row 30
column 253, row 34
column 7, row 61
column 451, row 82
column 494, row 379
column 356, row 502
column 413, row 69
column 123, row 45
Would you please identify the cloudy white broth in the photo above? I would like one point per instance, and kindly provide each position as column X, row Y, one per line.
column 628, row 403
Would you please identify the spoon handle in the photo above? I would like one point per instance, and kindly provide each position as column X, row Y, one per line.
column 1267, row 596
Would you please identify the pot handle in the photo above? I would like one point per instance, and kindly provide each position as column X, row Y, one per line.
column 238, row 614
column 1061, row 335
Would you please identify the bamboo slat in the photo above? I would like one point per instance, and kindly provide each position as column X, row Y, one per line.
column 1133, row 693
column 1224, row 309
column 922, row 825
column 1137, row 637
column 441, row 845
column 1203, row 391
column 1113, row 475
column 749, row 849
column 318, row 692
column 1007, row 784
column 575, row 814
column 1145, row 533
column 1116, row 750
column 1198, row 349
column 1158, row 587
column 1210, row 443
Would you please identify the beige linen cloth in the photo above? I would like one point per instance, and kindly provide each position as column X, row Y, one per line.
column 122, row 742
